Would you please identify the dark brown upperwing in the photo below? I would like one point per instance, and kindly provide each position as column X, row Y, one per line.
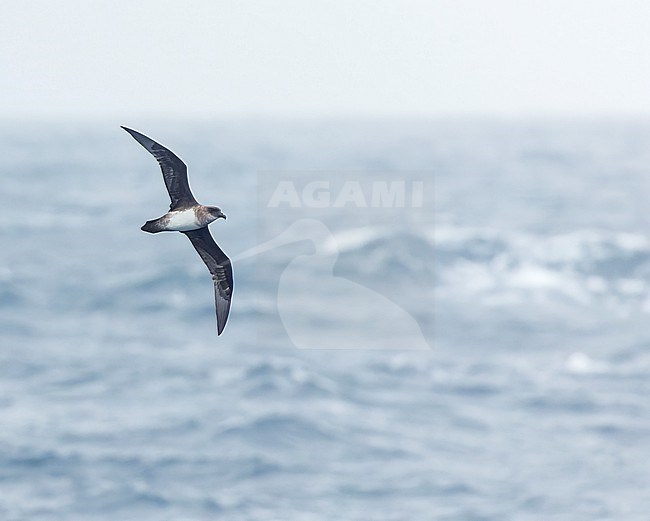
column 220, row 269
column 173, row 169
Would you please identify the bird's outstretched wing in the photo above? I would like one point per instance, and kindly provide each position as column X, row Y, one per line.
column 220, row 269
column 173, row 169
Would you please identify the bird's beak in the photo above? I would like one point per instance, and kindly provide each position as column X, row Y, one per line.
column 222, row 215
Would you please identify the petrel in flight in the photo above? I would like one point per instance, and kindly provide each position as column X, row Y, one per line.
column 187, row 216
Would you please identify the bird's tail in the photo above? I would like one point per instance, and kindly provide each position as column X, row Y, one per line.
column 151, row 226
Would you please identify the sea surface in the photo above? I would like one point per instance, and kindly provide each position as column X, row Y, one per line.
column 513, row 382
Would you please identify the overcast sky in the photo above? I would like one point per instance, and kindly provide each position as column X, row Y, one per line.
column 315, row 57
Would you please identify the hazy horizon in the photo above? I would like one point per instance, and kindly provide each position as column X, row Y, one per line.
column 416, row 58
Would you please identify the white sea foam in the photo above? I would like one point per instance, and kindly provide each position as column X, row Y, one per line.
column 581, row 265
column 581, row 363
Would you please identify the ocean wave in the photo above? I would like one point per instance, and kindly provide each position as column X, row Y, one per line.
column 502, row 267
column 369, row 253
column 285, row 378
column 277, row 429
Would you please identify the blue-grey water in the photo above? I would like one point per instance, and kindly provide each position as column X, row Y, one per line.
column 527, row 270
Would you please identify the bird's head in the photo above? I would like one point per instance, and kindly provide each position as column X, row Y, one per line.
column 216, row 213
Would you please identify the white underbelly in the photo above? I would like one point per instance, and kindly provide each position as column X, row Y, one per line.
column 182, row 221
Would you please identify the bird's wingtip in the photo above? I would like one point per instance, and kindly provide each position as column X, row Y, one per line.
column 221, row 323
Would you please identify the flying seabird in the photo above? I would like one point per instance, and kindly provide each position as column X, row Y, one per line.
column 187, row 216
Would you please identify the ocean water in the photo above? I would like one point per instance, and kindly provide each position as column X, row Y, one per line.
column 526, row 272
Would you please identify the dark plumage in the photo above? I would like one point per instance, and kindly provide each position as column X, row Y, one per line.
column 187, row 216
